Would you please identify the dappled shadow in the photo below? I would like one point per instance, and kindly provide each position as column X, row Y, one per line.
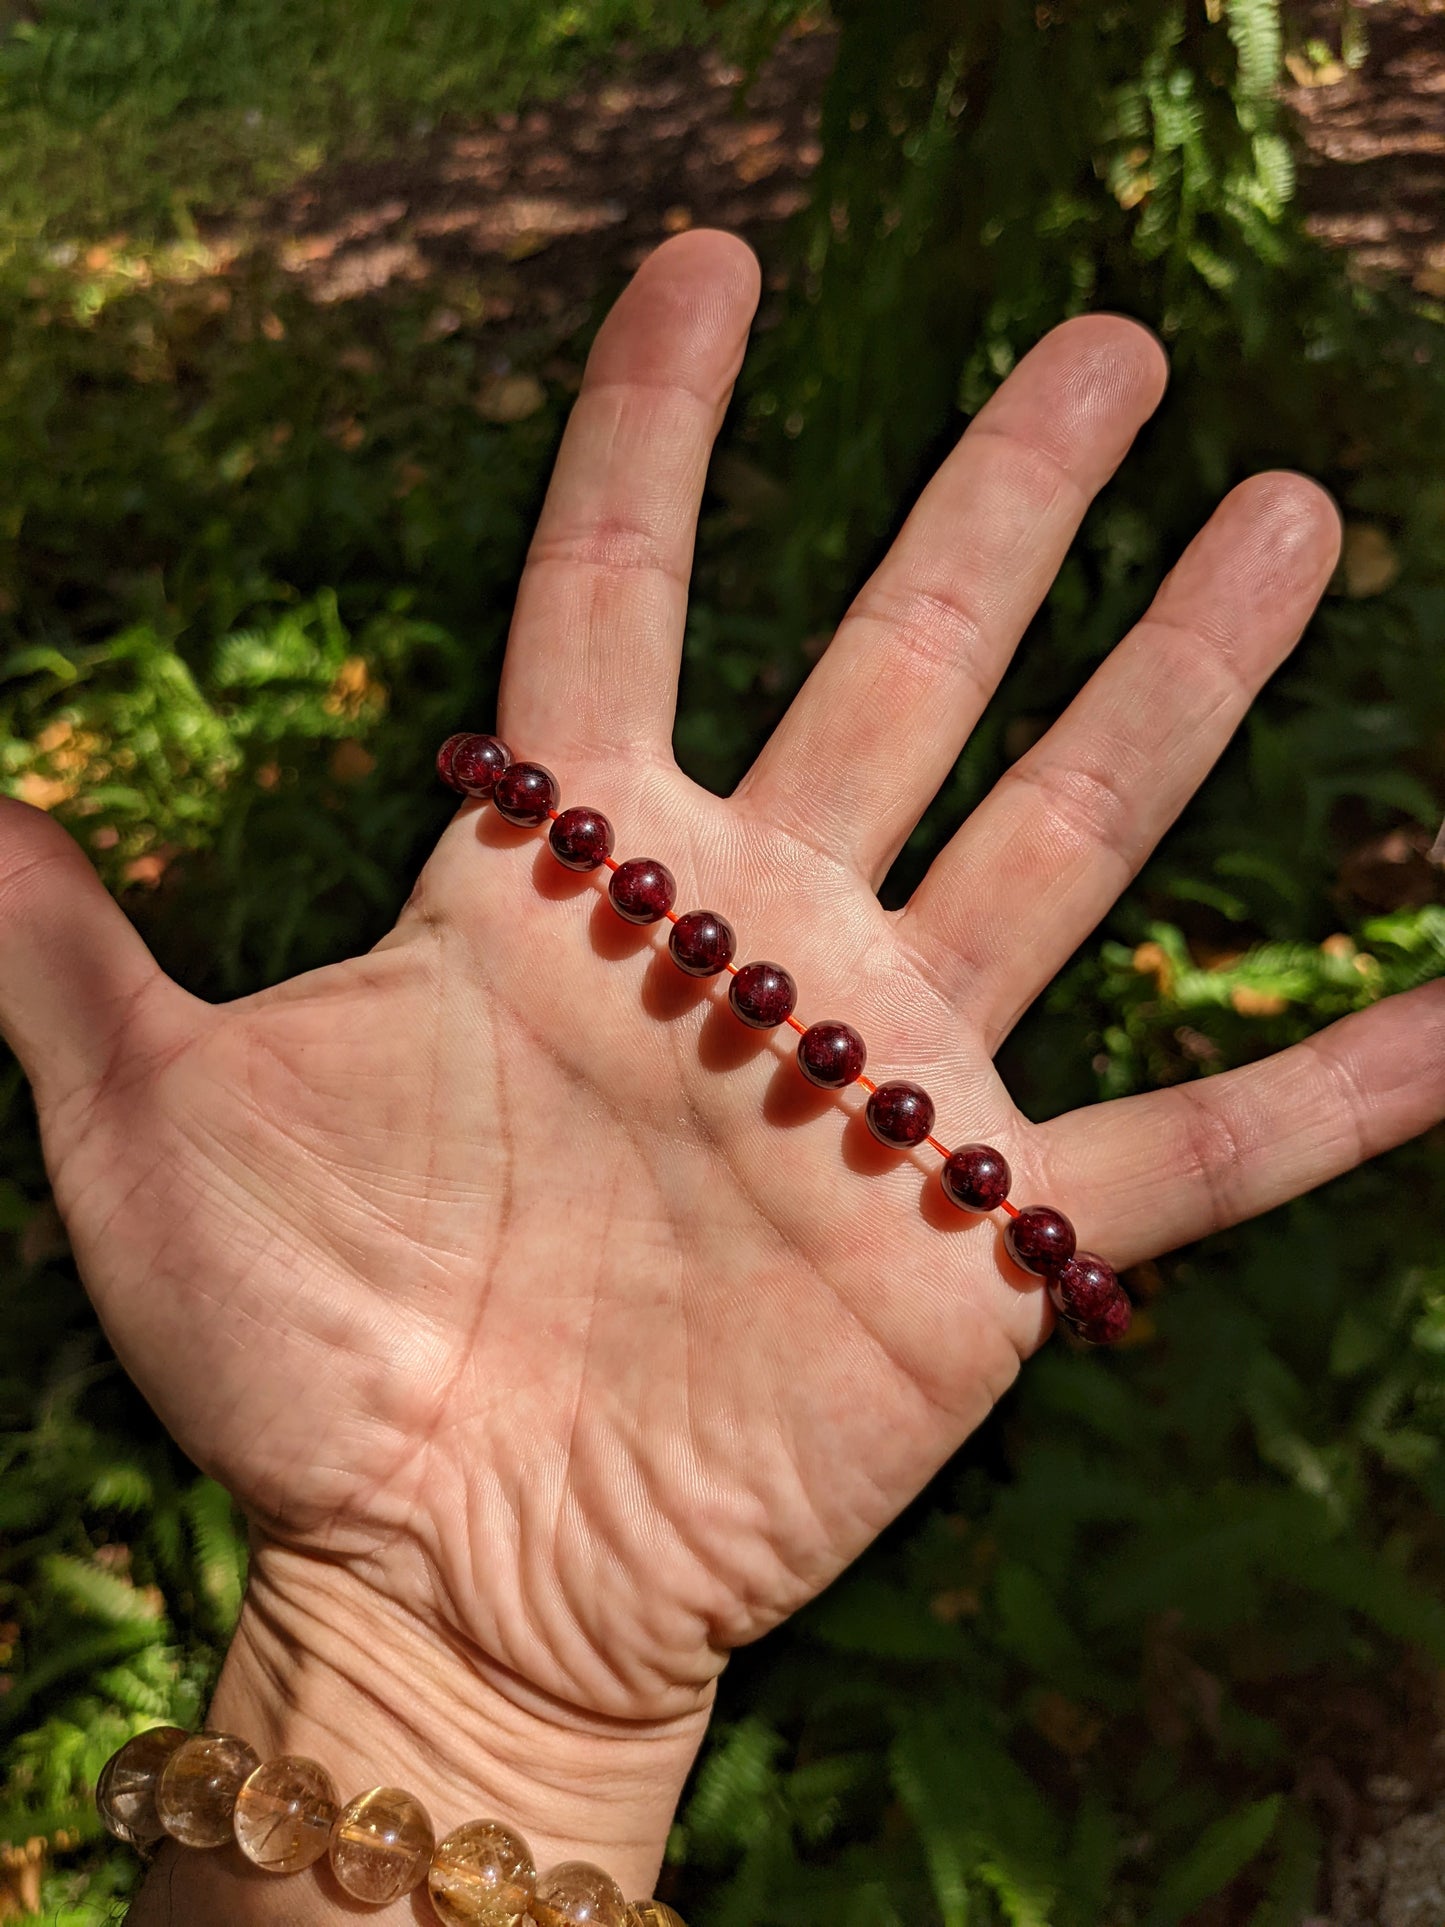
column 517, row 222
column 1372, row 162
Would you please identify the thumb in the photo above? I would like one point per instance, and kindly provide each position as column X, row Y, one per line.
column 78, row 988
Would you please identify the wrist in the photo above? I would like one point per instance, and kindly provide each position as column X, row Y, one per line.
column 320, row 1666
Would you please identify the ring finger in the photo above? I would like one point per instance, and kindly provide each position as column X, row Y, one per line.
column 879, row 723
column 1043, row 858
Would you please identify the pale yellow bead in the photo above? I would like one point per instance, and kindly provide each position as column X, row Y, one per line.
column 381, row 1845
column 652, row 1913
column 196, row 1793
column 285, row 1813
column 482, row 1875
column 576, row 1894
column 125, row 1797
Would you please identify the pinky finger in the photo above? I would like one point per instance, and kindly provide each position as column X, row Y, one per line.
column 1156, row 1171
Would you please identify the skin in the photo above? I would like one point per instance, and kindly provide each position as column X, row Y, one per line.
column 556, row 1337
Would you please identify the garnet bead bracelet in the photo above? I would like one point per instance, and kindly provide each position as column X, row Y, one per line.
column 1084, row 1290
column 209, row 1789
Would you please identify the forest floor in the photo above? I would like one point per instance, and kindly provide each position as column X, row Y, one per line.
column 536, row 212
column 518, row 223
column 1373, row 162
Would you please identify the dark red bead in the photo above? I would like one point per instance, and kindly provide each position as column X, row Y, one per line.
column 763, row 995
column 445, row 754
column 702, row 943
column 976, row 1177
column 900, row 1114
column 831, row 1054
column 525, row 793
column 1040, row 1239
column 642, row 889
column 581, row 839
column 1084, row 1289
column 1108, row 1325
column 475, row 764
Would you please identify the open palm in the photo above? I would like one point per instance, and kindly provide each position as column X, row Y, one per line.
column 501, row 1268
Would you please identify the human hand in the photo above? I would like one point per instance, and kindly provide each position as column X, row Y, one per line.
column 556, row 1337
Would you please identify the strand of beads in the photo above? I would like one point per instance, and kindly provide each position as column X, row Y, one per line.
column 1085, row 1290
column 207, row 1789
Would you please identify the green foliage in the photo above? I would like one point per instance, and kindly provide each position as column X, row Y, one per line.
column 119, row 1579
column 257, row 559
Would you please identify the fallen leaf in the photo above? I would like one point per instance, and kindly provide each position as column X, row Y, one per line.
column 1152, row 960
column 1069, row 1728
column 148, row 870
column 351, row 762
column 1369, row 562
column 43, row 792
column 510, row 398
column 1257, row 1003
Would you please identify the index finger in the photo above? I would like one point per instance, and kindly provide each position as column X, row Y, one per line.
column 596, row 639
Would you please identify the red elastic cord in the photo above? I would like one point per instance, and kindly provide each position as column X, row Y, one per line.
column 796, row 1023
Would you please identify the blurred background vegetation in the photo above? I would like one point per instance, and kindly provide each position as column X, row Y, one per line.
column 293, row 298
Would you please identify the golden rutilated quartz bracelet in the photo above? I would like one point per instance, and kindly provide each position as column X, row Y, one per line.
column 206, row 1790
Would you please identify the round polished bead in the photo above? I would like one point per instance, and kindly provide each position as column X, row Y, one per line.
column 578, row 1895
column 1040, row 1239
column 284, row 1814
column 1109, row 1324
column 702, row 943
column 642, row 889
column 196, row 1793
column 445, row 754
column 475, row 764
column 125, row 1797
column 763, row 995
column 1087, row 1295
column 900, row 1114
column 975, row 1177
column 482, row 1875
column 381, row 1845
column 831, row 1054
column 653, row 1913
column 581, row 839
column 526, row 794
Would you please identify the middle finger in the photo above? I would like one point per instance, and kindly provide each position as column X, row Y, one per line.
column 879, row 723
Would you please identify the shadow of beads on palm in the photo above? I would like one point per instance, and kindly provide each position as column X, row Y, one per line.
column 125, row 1796
column 284, row 1814
column 196, row 1793
column 577, row 1894
column 381, row 1845
column 482, row 1875
column 899, row 1113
